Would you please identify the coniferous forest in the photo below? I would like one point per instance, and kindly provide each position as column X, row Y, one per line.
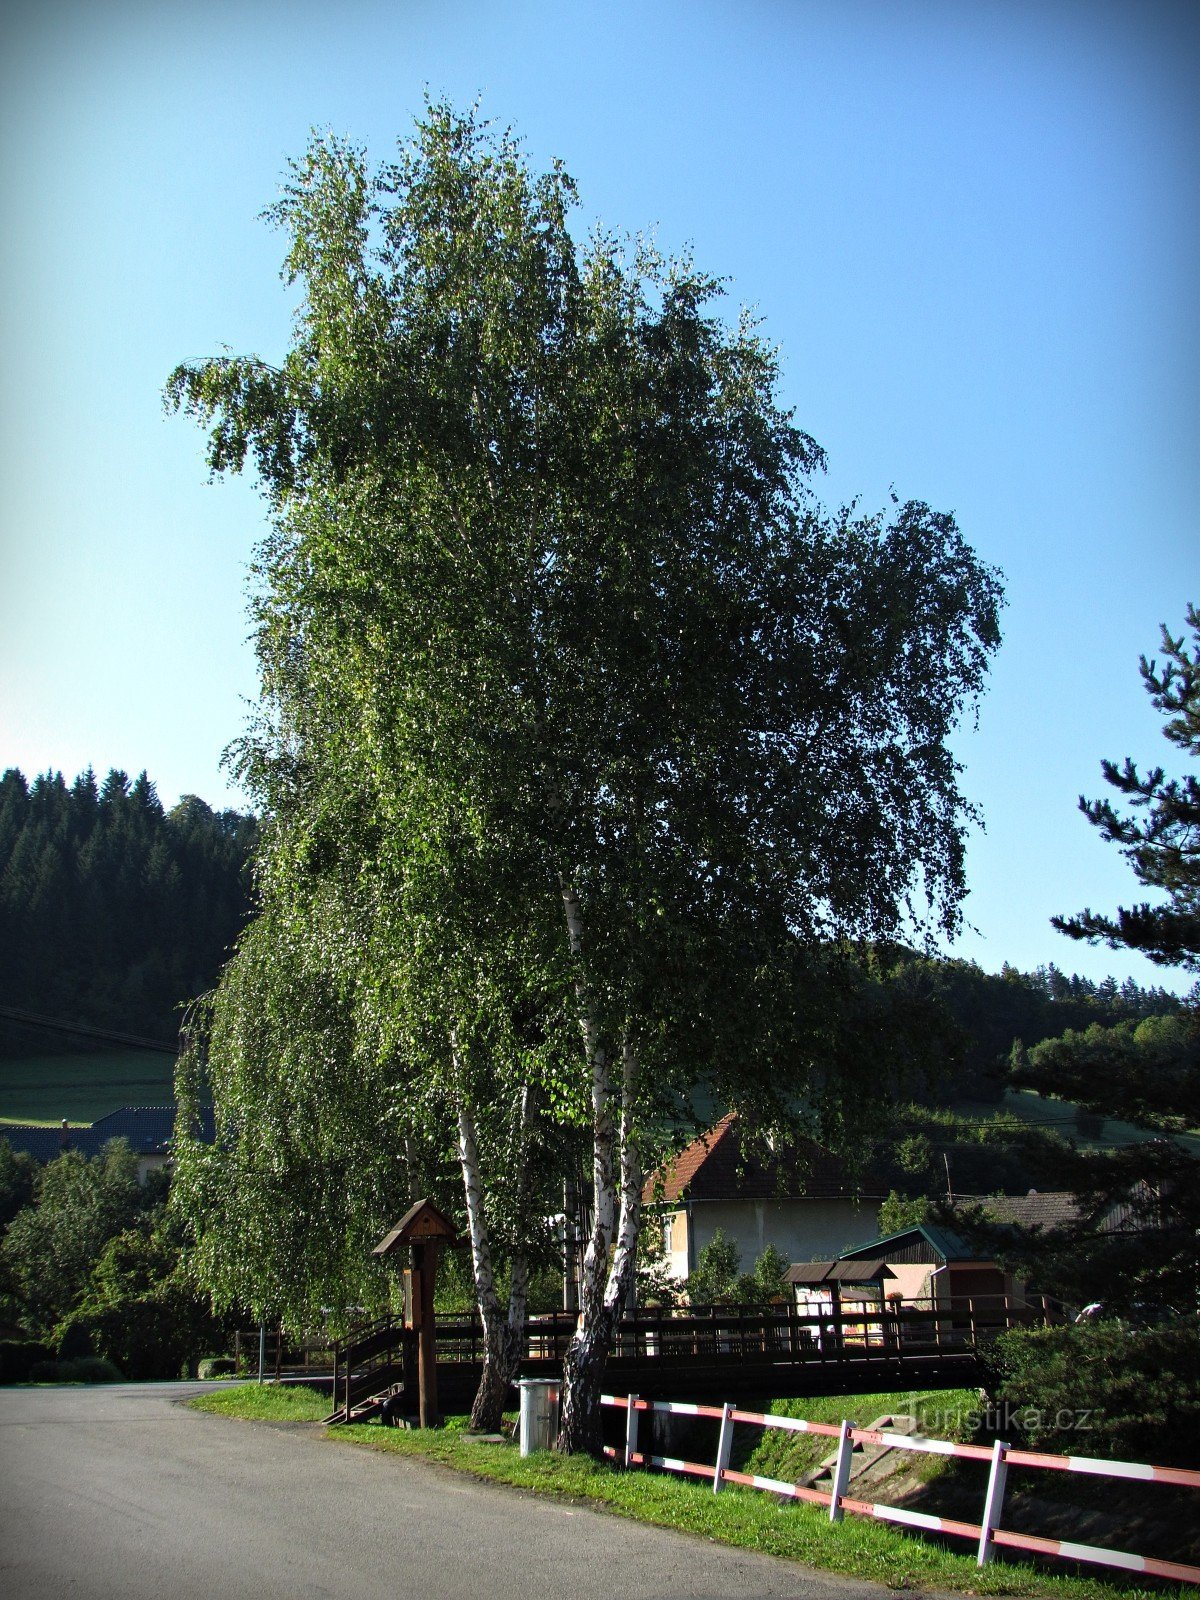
column 114, row 911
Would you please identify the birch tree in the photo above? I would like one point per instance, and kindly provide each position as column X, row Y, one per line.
column 638, row 734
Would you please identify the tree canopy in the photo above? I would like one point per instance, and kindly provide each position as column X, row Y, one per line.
column 588, row 734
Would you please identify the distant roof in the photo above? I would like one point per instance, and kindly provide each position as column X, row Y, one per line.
column 837, row 1272
column 1052, row 1208
column 148, row 1130
column 944, row 1243
column 714, row 1167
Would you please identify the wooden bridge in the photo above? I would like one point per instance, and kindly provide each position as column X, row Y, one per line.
column 706, row 1354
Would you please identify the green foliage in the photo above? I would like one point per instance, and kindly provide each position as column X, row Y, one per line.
column 769, row 1273
column 1157, row 835
column 85, row 1369
column 986, row 1154
column 656, row 1284
column 577, row 707
column 113, row 911
column 18, row 1357
column 1146, row 1072
column 899, row 1212
column 1102, row 1388
column 1149, row 1073
column 139, row 1310
column 714, row 1278
column 981, row 1013
column 316, row 1154
column 18, row 1174
column 50, row 1247
column 216, row 1367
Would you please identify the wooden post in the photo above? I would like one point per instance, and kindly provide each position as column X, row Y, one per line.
column 424, row 1276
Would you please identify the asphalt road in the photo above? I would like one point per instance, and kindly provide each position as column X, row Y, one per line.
column 121, row 1493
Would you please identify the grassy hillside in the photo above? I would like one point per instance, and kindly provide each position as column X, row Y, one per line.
column 83, row 1087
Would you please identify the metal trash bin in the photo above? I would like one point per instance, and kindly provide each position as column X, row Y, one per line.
column 539, row 1413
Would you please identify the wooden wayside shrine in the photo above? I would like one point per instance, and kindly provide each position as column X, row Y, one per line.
column 422, row 1228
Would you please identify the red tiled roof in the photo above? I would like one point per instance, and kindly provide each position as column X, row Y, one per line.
column 714, row 1167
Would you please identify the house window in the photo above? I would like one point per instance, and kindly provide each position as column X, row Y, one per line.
column 668, row 1229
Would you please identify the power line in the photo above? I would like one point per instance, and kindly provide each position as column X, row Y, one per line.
column 82, row 1030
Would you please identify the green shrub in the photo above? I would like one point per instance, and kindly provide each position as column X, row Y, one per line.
column 18, row 1356
column 75, row 1342
column 217, row 1367
column 139, row 1311
column 1101, row 1389
column 94, row 1369
column 88, row 1369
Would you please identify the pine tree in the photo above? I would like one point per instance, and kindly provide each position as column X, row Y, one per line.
column 1149, row 1073
column 1160, row 833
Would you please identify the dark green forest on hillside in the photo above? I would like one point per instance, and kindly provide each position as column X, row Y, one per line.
column 114, row 911
column 988, row 1012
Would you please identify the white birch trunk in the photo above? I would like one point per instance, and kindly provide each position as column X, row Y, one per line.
column 503, row 1337
column 622, row 1273
column 481, row 1252
column 603, row 1285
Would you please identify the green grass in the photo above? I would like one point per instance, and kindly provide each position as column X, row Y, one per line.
column 265, row 1402
column 747, row 1519
column 942, row 1414
column 81, row 1088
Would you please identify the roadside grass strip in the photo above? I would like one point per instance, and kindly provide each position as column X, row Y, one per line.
column 987, row 1533
column 266, row 1402
column 740, row 1517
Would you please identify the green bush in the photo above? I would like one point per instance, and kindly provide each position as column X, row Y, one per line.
column 217, row 1367
column 1102, row 1389
column 75, row 1342
column 88, row 1369
column 18, row 1356
column 93, row 1369
column 139, row 1311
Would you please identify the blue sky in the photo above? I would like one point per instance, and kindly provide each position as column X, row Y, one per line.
column 972, row 228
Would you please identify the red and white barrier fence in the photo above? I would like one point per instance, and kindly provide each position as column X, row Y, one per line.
column 987, row 1534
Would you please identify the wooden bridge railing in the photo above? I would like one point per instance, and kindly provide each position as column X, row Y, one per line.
column 776, row 1334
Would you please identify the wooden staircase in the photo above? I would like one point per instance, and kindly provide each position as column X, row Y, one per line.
column 378, row 1362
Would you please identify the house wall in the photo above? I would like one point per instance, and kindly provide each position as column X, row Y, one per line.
column 676, row 1240
column 804, row 1230
column 910, row 1279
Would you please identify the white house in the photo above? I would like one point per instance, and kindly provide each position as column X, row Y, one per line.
column 805, row 1203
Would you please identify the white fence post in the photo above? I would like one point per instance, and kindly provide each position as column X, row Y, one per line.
column 841, row 1471
column 724, row 1445
column 631, row 1430
column 994, row 1503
